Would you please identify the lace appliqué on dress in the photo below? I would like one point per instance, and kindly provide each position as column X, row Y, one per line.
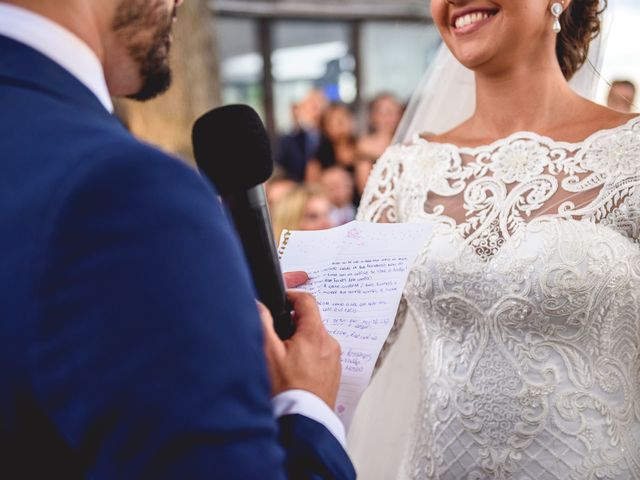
column 527, row 301
column 489, row 194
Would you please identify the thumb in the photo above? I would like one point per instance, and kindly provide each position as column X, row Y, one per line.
column 273, row 344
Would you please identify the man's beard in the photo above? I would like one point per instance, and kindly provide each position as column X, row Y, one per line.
column 134, row 22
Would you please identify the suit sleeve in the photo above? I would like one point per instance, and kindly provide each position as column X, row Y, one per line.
column 311, row 450
column 148, row 353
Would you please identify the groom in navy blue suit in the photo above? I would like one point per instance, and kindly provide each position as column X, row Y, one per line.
column 130, row 342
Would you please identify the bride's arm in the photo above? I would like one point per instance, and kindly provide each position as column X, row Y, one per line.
column 379, row 204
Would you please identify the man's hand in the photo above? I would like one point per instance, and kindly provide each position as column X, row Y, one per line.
column 310, row 360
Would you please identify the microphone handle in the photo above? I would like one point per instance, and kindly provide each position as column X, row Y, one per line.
column 250, row 213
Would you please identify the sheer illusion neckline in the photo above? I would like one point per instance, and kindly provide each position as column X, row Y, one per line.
column 418, row 139
column 490, row 193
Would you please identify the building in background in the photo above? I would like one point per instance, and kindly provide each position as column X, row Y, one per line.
column 269, row 53
column 272, row 52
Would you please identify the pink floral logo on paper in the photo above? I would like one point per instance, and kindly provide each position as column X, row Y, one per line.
column 354, row 234
column 519, row 161
column 614, row 155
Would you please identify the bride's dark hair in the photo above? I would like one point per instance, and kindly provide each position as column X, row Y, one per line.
column 580, row 25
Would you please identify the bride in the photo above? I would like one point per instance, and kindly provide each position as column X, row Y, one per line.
column 517, row 353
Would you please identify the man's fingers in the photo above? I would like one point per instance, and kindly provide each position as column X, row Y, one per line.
column 295, row 279
column 303, row 303
column 271, row 337
column 274, row 349
column 265, row 316
column 306, row 310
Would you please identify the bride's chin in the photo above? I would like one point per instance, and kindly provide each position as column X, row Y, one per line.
column 471, row 58
column 473, row 52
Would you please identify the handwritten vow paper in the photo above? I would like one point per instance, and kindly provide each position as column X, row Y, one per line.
column 357, row 274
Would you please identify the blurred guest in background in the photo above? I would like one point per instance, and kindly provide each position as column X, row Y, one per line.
column 277, row 188
column 305, row 208
column 296, row 148
column 622, row 96
column 385, row 112
column 337, row 184
column 337, row 143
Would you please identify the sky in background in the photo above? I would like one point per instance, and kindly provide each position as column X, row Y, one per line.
column 622, row 57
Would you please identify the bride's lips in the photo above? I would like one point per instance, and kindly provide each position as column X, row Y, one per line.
column 469, row 20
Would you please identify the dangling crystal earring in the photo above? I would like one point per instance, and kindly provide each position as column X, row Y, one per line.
column 556, row 11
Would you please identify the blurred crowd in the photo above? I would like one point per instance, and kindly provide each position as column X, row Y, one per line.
column 323, row 164
column 622, row 96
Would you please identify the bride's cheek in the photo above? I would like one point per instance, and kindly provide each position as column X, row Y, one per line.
column 439, row 14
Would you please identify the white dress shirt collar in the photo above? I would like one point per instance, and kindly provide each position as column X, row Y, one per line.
column 57, row 43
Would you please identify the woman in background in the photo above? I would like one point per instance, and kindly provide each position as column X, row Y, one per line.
column 277, row 187
column 337, row 143
column 304, row 208
column 385, row 112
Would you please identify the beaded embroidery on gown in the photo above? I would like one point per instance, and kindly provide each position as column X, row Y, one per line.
column 526, row 309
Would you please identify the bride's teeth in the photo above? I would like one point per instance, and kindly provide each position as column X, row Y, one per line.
column 470, row 18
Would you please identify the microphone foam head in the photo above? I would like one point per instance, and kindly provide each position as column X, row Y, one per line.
column 232, row 149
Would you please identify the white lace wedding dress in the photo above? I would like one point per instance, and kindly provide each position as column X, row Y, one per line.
column 517, row 350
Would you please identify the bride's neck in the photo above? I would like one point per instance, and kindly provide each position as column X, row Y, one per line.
column 522, row 99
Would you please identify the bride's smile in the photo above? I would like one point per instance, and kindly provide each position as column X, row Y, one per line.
column 495, row 34
column 471, row 20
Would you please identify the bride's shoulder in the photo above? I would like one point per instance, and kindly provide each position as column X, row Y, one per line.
column 601, row 122
column 467, row 135
column 591, row 122
column 602, row 116
column 417, row 145
column 460, row 136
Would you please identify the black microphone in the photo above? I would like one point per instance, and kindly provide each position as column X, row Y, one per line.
column 232, row 149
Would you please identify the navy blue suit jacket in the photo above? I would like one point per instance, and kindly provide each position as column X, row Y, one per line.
column 129, row 340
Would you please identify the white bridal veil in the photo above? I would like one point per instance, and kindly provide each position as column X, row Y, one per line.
column 446, row 94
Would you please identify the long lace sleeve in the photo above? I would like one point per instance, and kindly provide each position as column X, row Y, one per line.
column 379, row 205
column 379, row 201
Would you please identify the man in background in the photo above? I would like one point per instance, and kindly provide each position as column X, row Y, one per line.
column 622, row 96
column 296, row 148
column 130, row 342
